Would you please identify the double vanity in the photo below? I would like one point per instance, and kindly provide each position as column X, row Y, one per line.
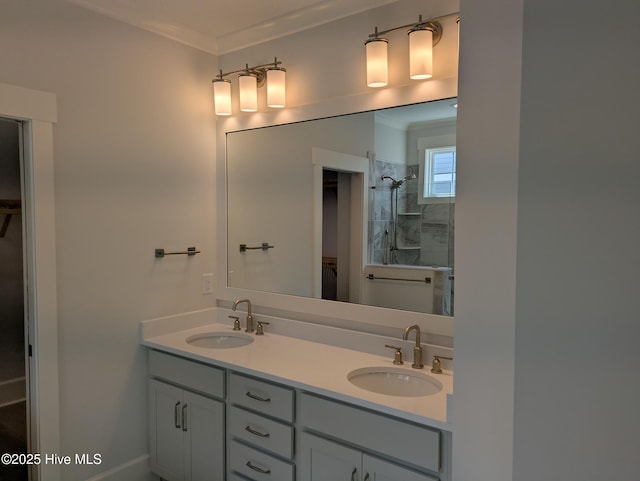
column 292, row 401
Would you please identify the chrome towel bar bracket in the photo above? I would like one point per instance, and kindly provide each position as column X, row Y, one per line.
column 426, row 280
column 191, row 251
column 265, row 247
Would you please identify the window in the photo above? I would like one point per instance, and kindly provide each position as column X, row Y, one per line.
column 439, row 179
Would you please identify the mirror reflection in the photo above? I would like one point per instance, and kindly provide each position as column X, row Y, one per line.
column 356, row 208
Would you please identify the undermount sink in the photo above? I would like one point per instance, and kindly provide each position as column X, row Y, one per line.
column 219, row 340
column 394, row 381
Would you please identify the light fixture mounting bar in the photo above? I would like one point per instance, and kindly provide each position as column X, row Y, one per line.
column 257, row 68
column 433, row 23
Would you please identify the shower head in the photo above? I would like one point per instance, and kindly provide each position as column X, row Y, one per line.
column 397, row 183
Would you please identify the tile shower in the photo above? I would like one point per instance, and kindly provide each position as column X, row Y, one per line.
column 425, row 234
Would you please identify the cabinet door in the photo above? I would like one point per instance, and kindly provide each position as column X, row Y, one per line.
column 166, row 436
column 322, row 460
column 375, row 469
column 203, row 425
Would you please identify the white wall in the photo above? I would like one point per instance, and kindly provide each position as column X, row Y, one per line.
column 390, row 142
column 134, row 170
column 547, row 314
column 579, row 126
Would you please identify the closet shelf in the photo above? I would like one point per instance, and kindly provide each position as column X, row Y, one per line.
column 9, row 207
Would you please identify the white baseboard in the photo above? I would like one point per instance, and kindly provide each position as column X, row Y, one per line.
column 12, row 391
column 136, row 469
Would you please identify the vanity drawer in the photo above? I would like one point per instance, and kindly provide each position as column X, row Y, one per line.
column 261, row 396
column 186, row 373
column 265, row 433
column 257, row 465
column 402, row 440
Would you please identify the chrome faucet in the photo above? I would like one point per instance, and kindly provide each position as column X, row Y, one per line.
column 417, row 350
column 249, row 316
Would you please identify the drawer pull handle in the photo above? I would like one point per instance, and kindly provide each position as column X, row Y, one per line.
column 176, row 416
column 353, row 474
column 184, row 418
column 256, row 433
column 258, row 398
column 258, row 469
column 367, row 477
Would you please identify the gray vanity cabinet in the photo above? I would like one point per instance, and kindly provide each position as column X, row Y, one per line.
column 186, row 427
column 343, row 441
column 325, row 460
column 260, row 429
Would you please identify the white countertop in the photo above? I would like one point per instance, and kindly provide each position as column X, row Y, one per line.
column 311, row 366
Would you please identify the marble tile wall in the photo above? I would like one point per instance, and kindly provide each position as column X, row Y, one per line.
column 425, row 231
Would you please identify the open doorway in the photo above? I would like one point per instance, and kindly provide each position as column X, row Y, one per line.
column 36, row 112
column 336, row 234
column 13, row 353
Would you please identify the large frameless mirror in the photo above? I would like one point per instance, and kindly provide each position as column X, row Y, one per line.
column 356, row 208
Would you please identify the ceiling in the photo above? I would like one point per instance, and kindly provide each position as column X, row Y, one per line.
column 222, row 26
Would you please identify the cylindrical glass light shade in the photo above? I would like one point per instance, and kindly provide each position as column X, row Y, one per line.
column 222, row 96
column 377, row 69
column 248, row 92
column 420, row 53
column 276, row 87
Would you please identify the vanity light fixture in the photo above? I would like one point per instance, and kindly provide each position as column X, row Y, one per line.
column 421, row 51
column 222, row 95
column 249, row 80
column 377, row 65
column 276, row 91
column 423, row 36
column 248, row 86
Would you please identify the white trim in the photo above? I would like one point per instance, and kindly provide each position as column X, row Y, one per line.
column 38, row 111
column 136, row 469
column 426, row 168
column 318, row 13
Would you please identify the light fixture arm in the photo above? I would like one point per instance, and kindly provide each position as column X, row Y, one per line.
column 259, row 71
column 432, row 24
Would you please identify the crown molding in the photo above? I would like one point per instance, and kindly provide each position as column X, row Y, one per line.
column 298, row 20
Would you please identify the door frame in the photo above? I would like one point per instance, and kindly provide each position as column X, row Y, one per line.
column 37, row 110
column 359, row 166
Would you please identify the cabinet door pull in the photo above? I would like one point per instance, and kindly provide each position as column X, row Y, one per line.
column 176, row 416
column 258, row 398
column 258, row 469
column 367, row 477
column 353, row 474
column 184, row 417
column 256, row 433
